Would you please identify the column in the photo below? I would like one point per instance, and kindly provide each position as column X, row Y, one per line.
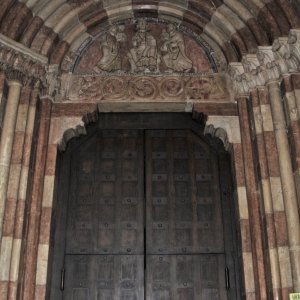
column 29, row 262
column 9, row 123
column 256, row 232
column 279, row 216
column 264, row 181
column 287, row 179
column 292, row 88
column 21, row 197
column 12, row 190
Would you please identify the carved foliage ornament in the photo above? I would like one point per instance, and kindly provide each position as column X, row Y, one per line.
column 94, row 88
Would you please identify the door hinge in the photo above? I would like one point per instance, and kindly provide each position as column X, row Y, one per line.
column 62, row 279
column 227, row 279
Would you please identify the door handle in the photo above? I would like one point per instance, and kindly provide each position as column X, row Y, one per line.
column 227, row 279
column 62, row 279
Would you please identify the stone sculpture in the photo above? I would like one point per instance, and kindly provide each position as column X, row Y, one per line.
column 110, row 46
column 143, row 57
column 149, row 52
column 173, row 44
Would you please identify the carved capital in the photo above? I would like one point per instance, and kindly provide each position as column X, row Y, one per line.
column 268, row 62
column 20, row 63
column 15, row 75
column 240, row 83
column 253, row 71
column 294, row 48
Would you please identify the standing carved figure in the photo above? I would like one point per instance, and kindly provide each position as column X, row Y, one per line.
column 173, row 44
column 111, row 56
column 143, row 57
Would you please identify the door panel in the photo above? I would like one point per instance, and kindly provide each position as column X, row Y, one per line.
column 185, row 277
column 104, row 277
column 183, row 198
column 107, row 196
column 177, row 251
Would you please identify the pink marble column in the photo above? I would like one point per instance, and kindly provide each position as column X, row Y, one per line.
column 287, row 179
column 6, row 144
column 254, row 200
column 29, row 262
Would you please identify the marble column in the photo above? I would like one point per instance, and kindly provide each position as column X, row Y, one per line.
column 287, row 179
column 254, row 201
column 268, row 212
column 9, row 123
column 21, row 198
column 12, row 190
column 29, row 261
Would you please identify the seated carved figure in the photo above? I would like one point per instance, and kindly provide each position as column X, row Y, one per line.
column 175, row 58
column 143, row 56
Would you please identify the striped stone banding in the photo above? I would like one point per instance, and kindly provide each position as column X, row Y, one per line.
column 32, row 22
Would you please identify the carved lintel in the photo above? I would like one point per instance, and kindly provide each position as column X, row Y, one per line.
column 147, row 88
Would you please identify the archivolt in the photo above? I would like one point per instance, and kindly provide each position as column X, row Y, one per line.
column 59, row 27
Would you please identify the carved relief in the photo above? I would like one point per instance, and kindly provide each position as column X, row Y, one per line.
column 143, row 88
column 173, row 44
column 144, row 47
column 143, row 57
column 110, row 46
column 19, row 64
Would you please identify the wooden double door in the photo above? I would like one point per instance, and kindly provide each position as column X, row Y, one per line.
column 144, row 219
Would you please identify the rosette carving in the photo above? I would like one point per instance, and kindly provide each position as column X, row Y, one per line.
column 172, row 87
column 159, row 88
column 143, row 87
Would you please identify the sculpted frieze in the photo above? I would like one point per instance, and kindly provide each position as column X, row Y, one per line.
column 146, row 88
column 144, row 47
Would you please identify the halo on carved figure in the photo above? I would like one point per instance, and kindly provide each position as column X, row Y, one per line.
column 142, row 46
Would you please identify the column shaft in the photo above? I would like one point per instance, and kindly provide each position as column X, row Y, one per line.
column 264, row 180
column 7, row 141
column 287, row 179
column 35, row 202
column 20, row 207
column 253, row 201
